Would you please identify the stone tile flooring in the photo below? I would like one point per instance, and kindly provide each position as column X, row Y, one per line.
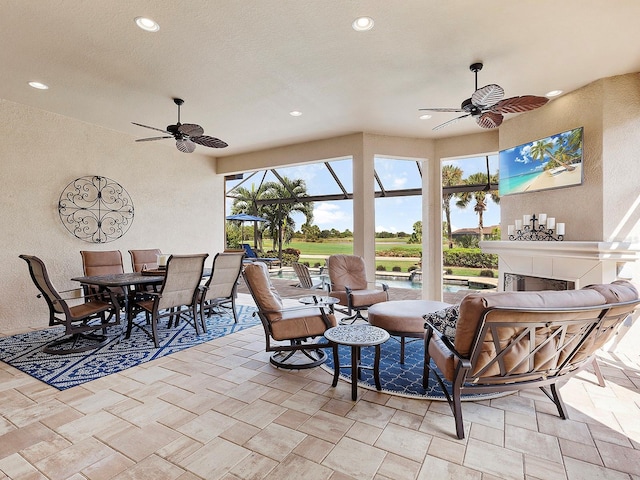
column 221, row 411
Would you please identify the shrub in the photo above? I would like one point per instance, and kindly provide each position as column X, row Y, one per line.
column 412, row 268
column 381, row 268
column 448, row 271
column 469, row 257
column 396, row 269
column 306, row 264
column 487, row 273
column 316, row 265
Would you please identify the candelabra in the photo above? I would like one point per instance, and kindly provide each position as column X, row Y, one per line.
column 536, row 228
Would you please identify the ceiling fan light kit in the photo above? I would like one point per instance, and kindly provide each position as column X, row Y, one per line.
column 487, row 106
column 186, row 135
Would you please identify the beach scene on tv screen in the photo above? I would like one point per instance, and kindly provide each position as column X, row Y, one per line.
column 551, row 162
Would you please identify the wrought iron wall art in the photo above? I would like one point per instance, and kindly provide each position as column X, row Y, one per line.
column 95, row 209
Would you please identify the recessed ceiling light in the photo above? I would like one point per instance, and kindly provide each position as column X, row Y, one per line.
column 38, row 85
column 295, row 113
column 553, row 93
column 426, row 116
column 362, row 24
column 147, row 24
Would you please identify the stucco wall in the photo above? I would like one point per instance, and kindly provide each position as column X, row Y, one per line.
column 178, row 201
column 605, row 207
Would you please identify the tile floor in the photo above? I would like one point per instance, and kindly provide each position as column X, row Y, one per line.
column 220, row 411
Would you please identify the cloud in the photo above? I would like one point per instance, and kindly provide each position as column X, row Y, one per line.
column 328, row 215
column 399, row 182
column 380, row 228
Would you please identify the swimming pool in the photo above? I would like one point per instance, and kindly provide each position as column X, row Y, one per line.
column 392, row 282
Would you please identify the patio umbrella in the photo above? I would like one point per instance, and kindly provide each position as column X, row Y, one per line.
column 245, row 217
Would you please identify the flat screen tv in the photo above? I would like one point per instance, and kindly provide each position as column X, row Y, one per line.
column 551, row 162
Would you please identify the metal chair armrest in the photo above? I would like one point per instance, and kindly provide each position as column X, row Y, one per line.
column 432, row 330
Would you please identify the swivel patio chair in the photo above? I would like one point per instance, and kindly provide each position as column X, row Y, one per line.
column 177, row 297
column 306, row 279
column 349, row 284
column 220, row 289
column 79, row 330
column 294, row 333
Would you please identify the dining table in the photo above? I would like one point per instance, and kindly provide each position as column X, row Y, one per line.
column 128, row 283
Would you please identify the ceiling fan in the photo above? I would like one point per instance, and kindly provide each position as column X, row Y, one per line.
column 186, row 134
column 487, row 106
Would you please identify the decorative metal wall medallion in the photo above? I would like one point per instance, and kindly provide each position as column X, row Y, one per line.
column 96, row 209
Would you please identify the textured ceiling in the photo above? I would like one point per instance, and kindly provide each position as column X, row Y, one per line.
column 243, row 65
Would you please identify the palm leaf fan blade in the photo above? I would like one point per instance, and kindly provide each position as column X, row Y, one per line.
column 490, row 120
column 487, row 95
column 519, row 104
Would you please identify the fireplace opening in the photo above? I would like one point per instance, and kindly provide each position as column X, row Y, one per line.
column 525, row 283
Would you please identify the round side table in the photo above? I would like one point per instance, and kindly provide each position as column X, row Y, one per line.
column 356, row 337
column 319, row 301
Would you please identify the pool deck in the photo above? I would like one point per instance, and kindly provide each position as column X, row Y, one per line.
column 286, row 287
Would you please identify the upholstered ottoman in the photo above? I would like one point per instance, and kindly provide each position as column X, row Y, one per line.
column 403, row 318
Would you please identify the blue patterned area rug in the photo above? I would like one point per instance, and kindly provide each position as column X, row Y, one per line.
column 396, row 378
column 24, row 351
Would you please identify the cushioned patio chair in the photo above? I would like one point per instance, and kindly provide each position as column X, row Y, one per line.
column 252, row 256
column 306, row 279
column 79, row 321
column 348, row 283
column 177, row 297
column 292, row 333
column 220, row 289
column 508, row 341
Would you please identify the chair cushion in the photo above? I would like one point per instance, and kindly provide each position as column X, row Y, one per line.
column 474, row 305
column 618, row 291
column 445, row 321
column 366, row 298
column 300, row 323
column 347, row 271
column 266, row 296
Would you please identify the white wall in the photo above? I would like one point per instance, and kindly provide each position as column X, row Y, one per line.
column 177, row 197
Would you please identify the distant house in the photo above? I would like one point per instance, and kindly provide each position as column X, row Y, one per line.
column 461, row 232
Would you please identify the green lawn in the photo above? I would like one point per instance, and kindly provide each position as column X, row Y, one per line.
column 342, row 245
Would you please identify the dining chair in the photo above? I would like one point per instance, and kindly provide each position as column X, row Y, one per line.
column 148, row 257
column 348, row 283
column 79, row 330
column 220, row 288
column 101, row 263
column 177, row 297
column 288, row 331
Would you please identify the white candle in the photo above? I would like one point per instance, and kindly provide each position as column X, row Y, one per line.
column 526, row 219
column 162, row 260
column 560, row 230
column 551, row 222
column 542, row 219
column 510, row 230
column 518, row 224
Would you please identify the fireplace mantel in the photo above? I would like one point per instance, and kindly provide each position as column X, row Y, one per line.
column 580, row 262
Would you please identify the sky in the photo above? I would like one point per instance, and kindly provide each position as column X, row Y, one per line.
column 395, row 214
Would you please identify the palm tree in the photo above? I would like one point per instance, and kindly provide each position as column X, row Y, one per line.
column 479, row 197
column 545, row 147
column 451, row 176
column 280, row 221
column 246, row 201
